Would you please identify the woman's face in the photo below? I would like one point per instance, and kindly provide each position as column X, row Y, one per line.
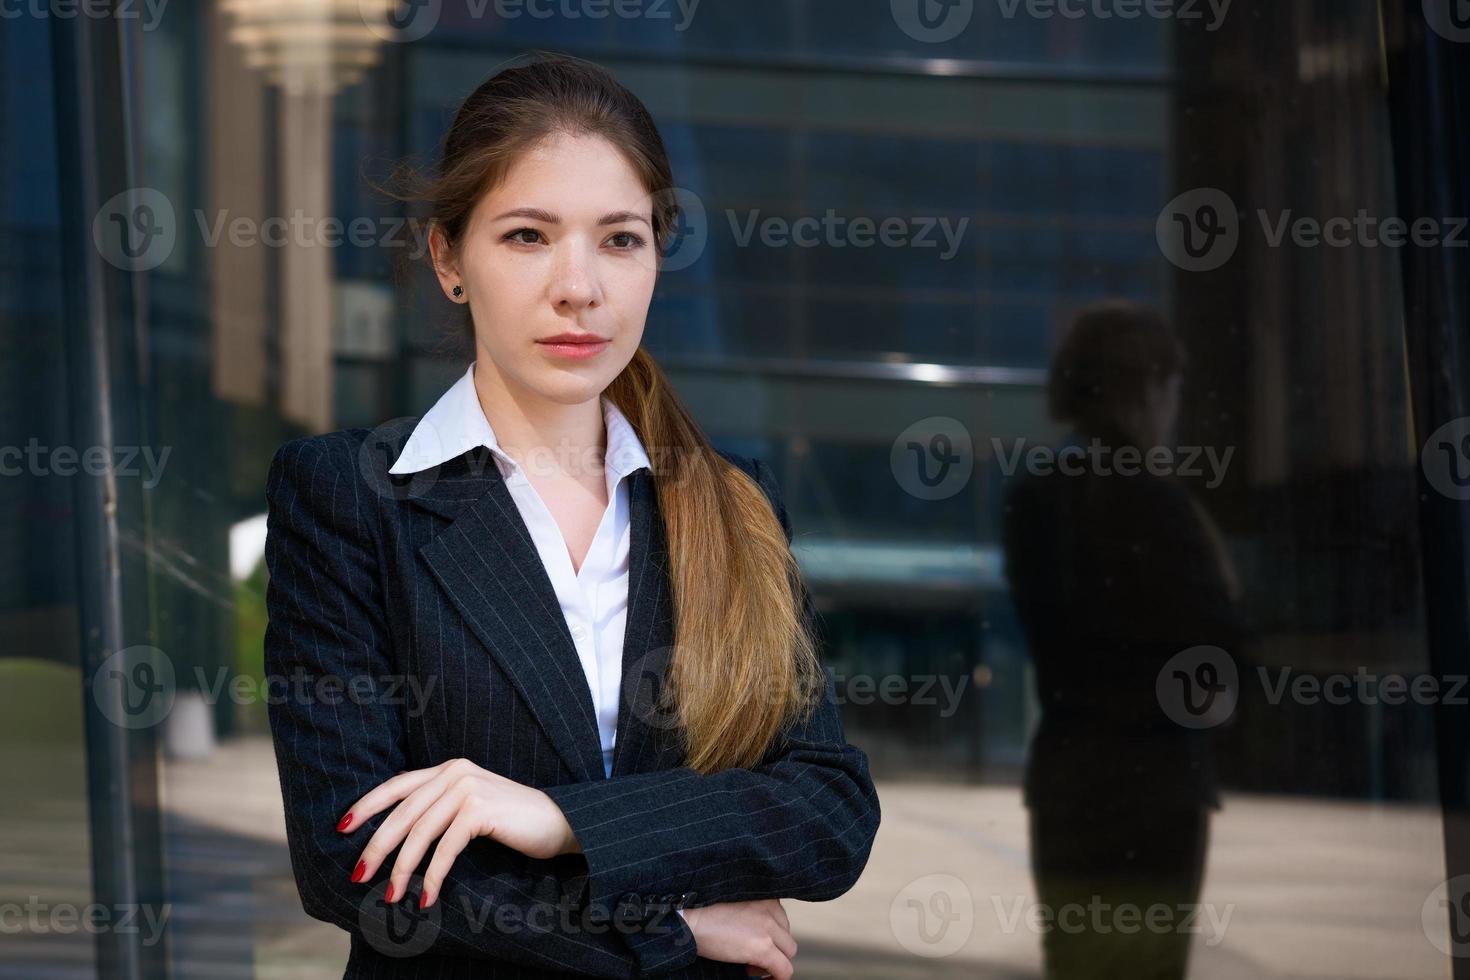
column 1161, row 410
column 563, row 245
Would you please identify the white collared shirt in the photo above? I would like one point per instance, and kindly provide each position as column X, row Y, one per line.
column 594, row 599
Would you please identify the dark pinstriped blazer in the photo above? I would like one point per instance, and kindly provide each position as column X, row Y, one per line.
column 415, row 614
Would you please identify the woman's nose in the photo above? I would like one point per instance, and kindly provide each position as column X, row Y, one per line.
column 574, row 282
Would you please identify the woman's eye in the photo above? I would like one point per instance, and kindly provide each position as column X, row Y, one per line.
column 513, row 236
column 626, row 241
column 621, row 241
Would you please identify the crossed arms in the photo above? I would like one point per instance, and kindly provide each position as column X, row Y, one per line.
column 799, row 825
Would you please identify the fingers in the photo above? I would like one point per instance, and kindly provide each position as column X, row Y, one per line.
column 384, row 795
column 393, row 830
column 426, row 829
column 785, row 942
column 779, row 911
column 456, row 838
column 781, row 929
column 430, row 803
column 771, row 961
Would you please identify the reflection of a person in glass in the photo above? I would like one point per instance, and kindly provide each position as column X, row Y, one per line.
column 1112, row 575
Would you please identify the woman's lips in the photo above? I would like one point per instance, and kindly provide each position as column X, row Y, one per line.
column 575, row 350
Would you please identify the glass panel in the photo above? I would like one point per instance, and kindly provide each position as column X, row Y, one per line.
column 46, row 874
column 956, row 262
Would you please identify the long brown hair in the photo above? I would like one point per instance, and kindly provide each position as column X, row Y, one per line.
column 744, row 664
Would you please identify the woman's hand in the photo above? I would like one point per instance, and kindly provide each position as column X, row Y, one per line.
column 757, row 934
column 453, row 803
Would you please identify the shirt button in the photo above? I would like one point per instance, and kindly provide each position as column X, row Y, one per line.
column 578, row 632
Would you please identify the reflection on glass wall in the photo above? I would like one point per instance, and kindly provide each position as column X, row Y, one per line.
column 43, row 813
column 1075, row 339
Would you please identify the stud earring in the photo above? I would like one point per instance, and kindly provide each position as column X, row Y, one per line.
column 458, row 291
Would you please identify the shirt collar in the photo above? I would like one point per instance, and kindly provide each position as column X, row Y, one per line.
column 457, row 423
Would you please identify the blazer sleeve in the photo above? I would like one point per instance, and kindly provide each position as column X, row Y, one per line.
column 798, row 825
column 327, row 620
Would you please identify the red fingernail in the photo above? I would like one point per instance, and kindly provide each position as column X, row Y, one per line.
column 389, row 897
column 345, row 822
column 424, row 899
column 359, row 871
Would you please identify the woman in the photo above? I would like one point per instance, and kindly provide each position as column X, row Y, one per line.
column 563, row 713
column 1114, row 570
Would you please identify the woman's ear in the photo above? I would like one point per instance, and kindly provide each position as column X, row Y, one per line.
column 445, row 265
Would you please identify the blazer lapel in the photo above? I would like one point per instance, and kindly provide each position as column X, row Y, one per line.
column 646, row 639
column 488, row 565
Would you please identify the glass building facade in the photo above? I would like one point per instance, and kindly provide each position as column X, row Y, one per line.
column 893, row 211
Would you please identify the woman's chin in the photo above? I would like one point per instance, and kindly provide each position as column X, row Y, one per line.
column 570, row 385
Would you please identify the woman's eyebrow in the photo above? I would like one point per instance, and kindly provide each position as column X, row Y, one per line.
column 541, row 214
